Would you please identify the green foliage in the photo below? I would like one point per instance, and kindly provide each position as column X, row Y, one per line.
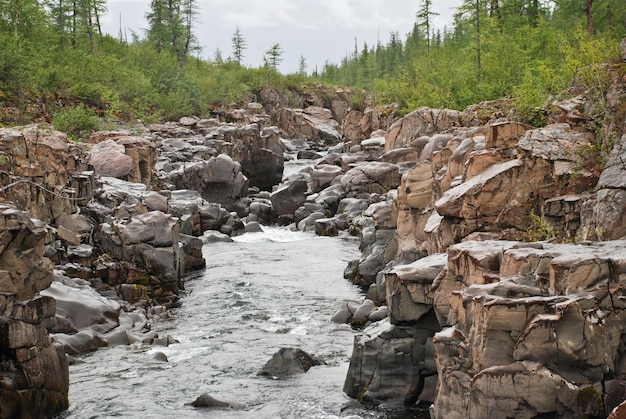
column 540, row 230
column 494, row 50
column 589, row 401
column 76, row 121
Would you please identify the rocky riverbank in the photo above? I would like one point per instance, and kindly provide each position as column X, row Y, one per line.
column 492, row 251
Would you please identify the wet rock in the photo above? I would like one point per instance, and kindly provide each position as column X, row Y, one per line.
column 253, row 227
column 308, row 155
column 390, row 363
column 161, row 357
column 344, row 312
column 210, row 402
column 192, row 249
column 215, row 237
column 289, row 361
column 288, row 197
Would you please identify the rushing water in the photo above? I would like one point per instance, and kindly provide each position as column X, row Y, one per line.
column 261, row 293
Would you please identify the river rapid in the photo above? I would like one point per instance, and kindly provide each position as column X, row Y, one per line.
column 258, row 294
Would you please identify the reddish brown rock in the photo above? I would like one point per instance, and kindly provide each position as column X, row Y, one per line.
column 35, row 375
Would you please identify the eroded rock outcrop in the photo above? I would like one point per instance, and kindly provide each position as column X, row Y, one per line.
column 531, row 329
column 520, row 329
column 35, row 376
column 313, row 123
column 43, row 172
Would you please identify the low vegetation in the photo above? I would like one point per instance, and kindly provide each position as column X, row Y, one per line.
column 63, row 70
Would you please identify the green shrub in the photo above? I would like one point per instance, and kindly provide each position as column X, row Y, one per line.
column 76, row 121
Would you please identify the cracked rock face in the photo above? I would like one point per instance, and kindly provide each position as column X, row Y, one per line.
column 531, row 329
column 35, row 375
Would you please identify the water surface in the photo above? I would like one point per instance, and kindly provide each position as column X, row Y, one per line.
column 261, row 293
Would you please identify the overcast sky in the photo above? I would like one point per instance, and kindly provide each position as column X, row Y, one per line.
column 318, row 30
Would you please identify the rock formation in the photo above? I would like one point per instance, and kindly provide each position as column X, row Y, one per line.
column 488, row 315
column 484, row 295
column 35, row 376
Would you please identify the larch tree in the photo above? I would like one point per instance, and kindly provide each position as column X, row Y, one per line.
column 302, row 66
column 273, row 56
column 239, row 46
column 425, row 17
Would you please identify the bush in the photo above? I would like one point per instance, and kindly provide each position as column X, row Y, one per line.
column 76, row 121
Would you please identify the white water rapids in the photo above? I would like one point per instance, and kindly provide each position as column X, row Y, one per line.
column 258, row 294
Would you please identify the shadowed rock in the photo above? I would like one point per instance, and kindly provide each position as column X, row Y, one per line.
column 210, row 402
column 289, row 361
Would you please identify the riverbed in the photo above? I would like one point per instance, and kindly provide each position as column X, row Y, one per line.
column 260, row 293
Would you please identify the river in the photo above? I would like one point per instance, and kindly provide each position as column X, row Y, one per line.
column 258, row 294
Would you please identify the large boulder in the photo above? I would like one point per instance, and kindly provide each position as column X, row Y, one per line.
column 393, row 363
column 370, row 177
column 125, row 157
column 86, row 320
column 218, row 179
column 289, row 361
column 259, row 151
column 313, row 123
column 409, row 288
column 424, row 121
column 288, row 197
column 150, row 242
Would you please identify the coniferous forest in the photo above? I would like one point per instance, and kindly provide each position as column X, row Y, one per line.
column 57, row 65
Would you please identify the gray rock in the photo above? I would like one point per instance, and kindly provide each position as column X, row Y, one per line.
column 288, row 197
column 210, row 402
column 389, row 363
column 289, row 361
column 161, row 357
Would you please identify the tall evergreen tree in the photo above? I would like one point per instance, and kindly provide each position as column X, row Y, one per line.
column 302, row 66
column 170, row 27
column 425, row 17
column 239, row 45
column 273, row 56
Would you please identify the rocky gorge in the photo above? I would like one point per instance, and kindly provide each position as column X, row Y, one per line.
column 493, row 252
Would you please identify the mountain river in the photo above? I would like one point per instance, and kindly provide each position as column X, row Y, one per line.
column 258, row 294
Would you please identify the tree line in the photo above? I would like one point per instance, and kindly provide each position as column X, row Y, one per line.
column 56, row 63
column 526, row 50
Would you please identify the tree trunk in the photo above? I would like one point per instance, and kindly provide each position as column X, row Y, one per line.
column 97, row 16
column 74, row 17
column 494, row 9
column 172, row 13
column 590, row 28
column 534, row 13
